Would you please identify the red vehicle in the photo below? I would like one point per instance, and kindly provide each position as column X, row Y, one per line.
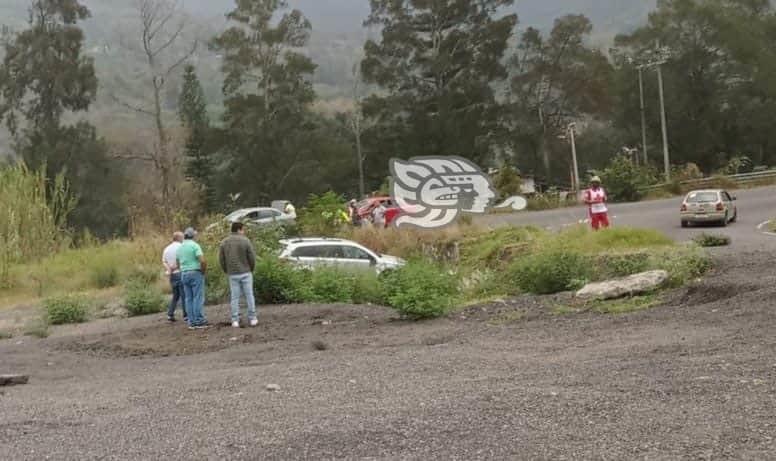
column 367, row 206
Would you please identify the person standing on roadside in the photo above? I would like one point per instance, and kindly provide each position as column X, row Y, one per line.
column 595, row 199
column 355, row 219
column 171, row 269
column 193, row 267
column 238, row 260
column 378, row 215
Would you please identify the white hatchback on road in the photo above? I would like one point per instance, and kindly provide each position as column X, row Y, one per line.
column 709, row 206
column 311, row 253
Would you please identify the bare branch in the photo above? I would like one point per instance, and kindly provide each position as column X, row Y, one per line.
column 183, row 59
column 126, row 105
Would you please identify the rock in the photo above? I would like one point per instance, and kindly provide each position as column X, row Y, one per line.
column 13, row 380
column 273, row 387
column 627, row 286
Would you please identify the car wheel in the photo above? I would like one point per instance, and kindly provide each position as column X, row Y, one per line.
column 735, row 217
column 724, row 221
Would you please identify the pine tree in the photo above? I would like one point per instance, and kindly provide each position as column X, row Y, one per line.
column 199, row 163
column 437, row 63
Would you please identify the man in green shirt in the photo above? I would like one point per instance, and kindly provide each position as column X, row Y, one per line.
column 193, row 266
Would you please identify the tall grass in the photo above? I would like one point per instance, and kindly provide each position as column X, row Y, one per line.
column 33, row 214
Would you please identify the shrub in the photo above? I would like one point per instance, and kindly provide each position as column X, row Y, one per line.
column 682, row 265
column 143, row 299
column 143, row 275
column 323, row 215
column 611, row 266
column 550, row 271
column 331, row 286
column 507, row 182
column 276, row 282
column 367, row 289
column 105, row 275
column 712, row 240
column 623, row 179
column 216, row 287
column 420, row 290
column 66, row 309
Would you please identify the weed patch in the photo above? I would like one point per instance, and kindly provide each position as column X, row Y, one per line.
column 66, row 309
column 624, row 306
column 712, row 240
column 420, row 290
column 142, row 299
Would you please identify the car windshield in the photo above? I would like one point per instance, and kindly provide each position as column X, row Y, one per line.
column 702, row 197
column 235, row 214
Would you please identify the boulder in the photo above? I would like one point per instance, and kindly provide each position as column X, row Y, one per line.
column 627, row 286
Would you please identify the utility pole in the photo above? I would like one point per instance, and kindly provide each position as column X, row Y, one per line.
column 666, row 159
column 571, row 128
column 643, row 116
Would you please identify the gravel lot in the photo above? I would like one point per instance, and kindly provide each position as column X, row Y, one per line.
column 694, row 378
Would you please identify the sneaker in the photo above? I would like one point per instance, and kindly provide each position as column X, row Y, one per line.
column 171, row 319
column 254, row 322
column 202, row 326
column 235, row 324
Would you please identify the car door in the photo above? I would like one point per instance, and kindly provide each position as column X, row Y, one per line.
column 354, row 258
column 267, row 216
column 309, row 256
column 730, row 204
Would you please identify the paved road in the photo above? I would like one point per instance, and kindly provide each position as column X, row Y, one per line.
column 755, row 206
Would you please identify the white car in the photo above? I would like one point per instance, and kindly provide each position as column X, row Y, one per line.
column 260, row 216
column 309, row 253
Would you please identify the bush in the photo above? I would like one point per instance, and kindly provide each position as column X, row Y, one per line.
column 143, row 275
column 420, row 290
column 276, row 282
column 683, row 265
column 610, row 266
column 105, row 275
column 624, row 180
column 550, row 271
column 712, row 240
column 330, row 286
column 507, row 182
column 66, row 309
column 216, row 287
column 323, row 215
column 143, row 299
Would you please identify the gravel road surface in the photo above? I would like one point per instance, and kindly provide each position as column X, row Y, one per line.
column 692, row 379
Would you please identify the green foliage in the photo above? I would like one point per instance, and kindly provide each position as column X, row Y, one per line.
column 611, row 266
column 32, row 217
column 712, row 240
column 105, row 275
column 453, row 108
column 143, row 275
column 142, row 299
column 683, row 265
column 199, row 164
column 623, row 179
column 507, row 182
column 550, row 271
column 420, row 290
column 276, row 282
column 66, row 309
column 38, row 328
column 625, row 306
column 324, row 215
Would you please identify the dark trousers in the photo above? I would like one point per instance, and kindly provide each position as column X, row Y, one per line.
column 177, row 295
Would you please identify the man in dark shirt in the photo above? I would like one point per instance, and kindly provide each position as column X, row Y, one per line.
column 238, row 260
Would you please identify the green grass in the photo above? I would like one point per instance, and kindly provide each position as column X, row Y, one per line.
column 627, row 305
column 5, row 335
column 38, row 328
column 712, row 240
column 507, row 318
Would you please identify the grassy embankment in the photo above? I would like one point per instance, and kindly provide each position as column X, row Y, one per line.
column 450, row 268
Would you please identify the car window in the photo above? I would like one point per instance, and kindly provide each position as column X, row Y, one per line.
column 702, row 197
column 352, row 252
column 264, row 214
column 309, row 252
column 252, row 215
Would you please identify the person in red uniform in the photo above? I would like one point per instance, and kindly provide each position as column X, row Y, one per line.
column 595, row 199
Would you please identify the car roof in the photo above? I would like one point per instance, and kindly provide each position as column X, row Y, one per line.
column 314, row 240
column 701, row 191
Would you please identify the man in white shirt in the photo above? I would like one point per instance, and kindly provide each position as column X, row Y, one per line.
column 596, row 199
column 378, row 215
column 170, row 261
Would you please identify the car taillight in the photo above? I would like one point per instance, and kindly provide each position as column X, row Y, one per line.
column 720, row 207
column 684, row 207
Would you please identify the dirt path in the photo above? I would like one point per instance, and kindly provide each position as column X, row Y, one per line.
column 692, row 379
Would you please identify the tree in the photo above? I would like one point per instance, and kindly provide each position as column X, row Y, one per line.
column 43, row 77
column 436, row 64
column 555, row 80
column 192, row 110
column 161, row 31
column 267, row 92
column 357, row 124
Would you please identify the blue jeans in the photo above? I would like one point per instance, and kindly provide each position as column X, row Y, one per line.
column 239, row 285
column 194, row 290
column 177, row 295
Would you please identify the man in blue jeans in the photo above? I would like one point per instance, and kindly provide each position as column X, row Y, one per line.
column 170, row 262
column 238, row 260
column 193, row 266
